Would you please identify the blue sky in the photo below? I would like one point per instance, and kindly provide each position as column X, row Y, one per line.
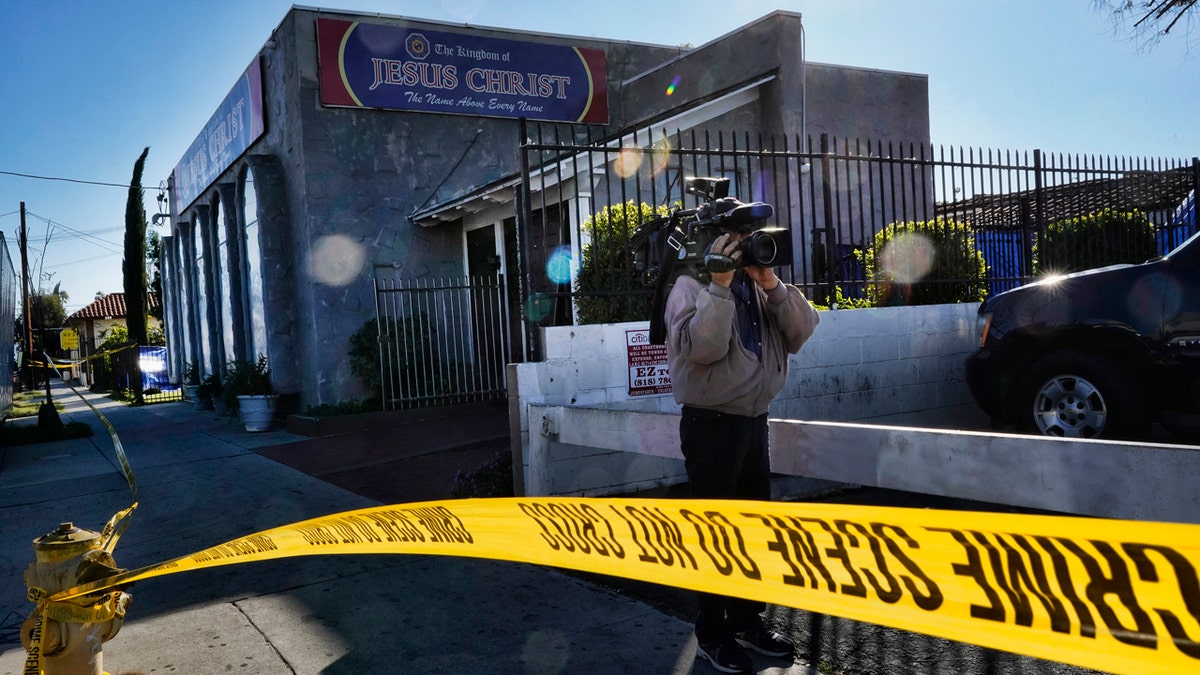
column 87, row 84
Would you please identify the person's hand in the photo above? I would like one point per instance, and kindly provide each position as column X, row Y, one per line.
column 763, row 276
column 727, row 246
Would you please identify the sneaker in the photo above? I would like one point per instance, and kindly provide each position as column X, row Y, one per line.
column 765, row 642
column 725, row 656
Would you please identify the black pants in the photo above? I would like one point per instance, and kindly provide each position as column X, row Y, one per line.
column 726, row 458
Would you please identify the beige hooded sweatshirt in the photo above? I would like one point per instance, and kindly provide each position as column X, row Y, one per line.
column 709, row 366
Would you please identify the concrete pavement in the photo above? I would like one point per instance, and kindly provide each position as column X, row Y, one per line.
column 201, row 483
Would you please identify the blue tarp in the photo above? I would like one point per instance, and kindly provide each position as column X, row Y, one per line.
column 1181, row 226
column 152, row 361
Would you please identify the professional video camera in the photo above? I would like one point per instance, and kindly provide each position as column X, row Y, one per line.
column 666, row 248
column 767, row 247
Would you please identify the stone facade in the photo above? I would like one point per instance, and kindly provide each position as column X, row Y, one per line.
column 279, row 253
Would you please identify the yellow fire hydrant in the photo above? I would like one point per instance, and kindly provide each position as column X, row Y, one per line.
column 65, row 638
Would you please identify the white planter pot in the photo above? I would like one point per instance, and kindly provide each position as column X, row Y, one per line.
column 257, row 412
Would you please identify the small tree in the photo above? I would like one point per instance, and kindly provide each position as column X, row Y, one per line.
column 47, row 309
column 924, row 263
column 609, row 285
column 154, row 256
column 1096, row 240
column 134, row 264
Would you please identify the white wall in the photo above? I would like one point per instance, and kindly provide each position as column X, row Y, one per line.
column 893, row 365
column 888, row 365
column 1107, row 479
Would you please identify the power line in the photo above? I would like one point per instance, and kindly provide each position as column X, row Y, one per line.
column 82, row 260
column 74, row 232
column 102, row 243
column 66, row 180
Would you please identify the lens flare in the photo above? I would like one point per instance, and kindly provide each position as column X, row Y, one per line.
column 660, row 156
column 537, row 307
column 671, row 87
column 336, row 260
column 558, row 266
column 1151, row 293
column 626, row 164
column 908, row 257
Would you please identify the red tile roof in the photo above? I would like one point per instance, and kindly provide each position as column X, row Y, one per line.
column 111, row 305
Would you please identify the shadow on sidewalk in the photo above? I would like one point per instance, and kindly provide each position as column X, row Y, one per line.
column 402, row 456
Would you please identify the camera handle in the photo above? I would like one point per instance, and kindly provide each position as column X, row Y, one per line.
column 719, row 264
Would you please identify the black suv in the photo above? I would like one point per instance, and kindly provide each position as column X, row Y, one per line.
column 1102, row 353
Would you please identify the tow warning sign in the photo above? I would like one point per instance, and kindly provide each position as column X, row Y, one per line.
column 648, row 371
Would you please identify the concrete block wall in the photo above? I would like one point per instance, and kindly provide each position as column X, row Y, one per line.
column 886, row 365
column 892, row 365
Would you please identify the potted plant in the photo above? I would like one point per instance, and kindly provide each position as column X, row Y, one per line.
column 248, row 390
column 208, row 393
column 191, row 382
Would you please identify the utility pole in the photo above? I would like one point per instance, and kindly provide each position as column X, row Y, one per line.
column 27, row 374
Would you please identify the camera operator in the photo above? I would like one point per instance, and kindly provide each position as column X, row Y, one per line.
column 728, row 343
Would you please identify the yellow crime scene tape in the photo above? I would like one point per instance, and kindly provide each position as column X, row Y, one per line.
column 1119, row 596
column 116, row 525
column 51, row 362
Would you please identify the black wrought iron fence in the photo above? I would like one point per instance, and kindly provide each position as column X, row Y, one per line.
column 869, row 220
column 441, row 341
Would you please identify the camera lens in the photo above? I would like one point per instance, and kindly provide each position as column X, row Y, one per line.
column 761, row 249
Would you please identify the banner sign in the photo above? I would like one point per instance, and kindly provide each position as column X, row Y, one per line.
column 232, row 129
column 399, row 68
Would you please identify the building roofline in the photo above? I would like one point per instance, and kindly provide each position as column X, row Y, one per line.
column 689, row 117
column 471, row 26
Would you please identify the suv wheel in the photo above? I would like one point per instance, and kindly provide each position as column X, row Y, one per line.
column 1079, row 395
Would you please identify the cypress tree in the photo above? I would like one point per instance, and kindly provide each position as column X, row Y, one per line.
column 134, row 264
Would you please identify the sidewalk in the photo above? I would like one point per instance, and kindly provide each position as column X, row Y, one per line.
column 202, row 480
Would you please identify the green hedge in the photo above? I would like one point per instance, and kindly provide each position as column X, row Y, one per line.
column 1097, row 240
column 924, row 263
column 609, row 287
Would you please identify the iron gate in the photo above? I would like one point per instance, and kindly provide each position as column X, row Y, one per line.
column 441, row 341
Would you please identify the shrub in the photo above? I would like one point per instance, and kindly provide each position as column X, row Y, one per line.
column 210, row 388
column 492, row 479
column 103, row 377
column 24, row 434
column 610, row 287
column 1096, row 240
column 413, row 362
column 191, row 373
column 924, row 263
column 246, row 378
column 351, row 407
column 841, row 301
column 364, row 354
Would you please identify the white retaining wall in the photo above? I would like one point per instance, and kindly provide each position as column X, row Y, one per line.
column 894, row 365
column 1109, row 479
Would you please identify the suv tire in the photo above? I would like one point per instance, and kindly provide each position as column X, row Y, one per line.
column 1074, row 394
